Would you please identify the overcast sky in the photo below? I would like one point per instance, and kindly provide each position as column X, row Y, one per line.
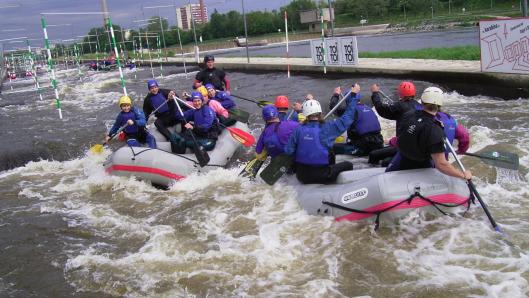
column 123, row 12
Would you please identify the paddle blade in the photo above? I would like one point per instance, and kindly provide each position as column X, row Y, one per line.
column 241, row 136
column 500, row 159
column 239, row 115
column 201, row 155
column 263, row 103
column 252, row 168
column 96, row 149
column 276, row 168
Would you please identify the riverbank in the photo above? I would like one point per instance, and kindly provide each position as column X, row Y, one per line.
column 464, row 76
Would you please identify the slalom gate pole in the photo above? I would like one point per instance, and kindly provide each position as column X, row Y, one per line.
column 34, row 69
column 51, row 66
column 286, row 38
column 150, row 56
column 323, row 43
column 159, row 44
column 118, row 61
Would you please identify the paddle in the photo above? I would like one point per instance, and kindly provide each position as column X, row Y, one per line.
column 201, row 155
column 98, row 148
column 260, row 103
column 279, row 165
column 239, row 115
column 473, row 189
column 238, row 134
column 499, row 159
column 252, row 168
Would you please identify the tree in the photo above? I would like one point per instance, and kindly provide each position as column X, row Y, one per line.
column 293, row 10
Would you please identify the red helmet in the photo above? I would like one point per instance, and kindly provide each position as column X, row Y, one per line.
column 406, row 89
column 281, row 102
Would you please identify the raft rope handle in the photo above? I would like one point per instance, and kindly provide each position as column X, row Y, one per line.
column 134, row 154
column 408, row 200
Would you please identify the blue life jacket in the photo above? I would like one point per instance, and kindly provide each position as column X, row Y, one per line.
column 450, row 125
column 225, row 100
column 284, row 115
column 130, row 129
column 366, row 120
column 157, row 100
column 310, row 150
column 272, row 143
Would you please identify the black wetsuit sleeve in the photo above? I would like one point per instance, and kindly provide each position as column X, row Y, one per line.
column 391, row 110
column 332, row 103
column 147, row 106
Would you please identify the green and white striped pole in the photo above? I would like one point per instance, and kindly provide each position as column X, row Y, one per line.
column 118, row 61
column 159, row 44
column 78, row 60
column 135, row 58
column 50, row 66
column 150, row 57
column 323, row 43
column 34, row 70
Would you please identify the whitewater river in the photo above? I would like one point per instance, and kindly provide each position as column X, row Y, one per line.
column 67, row 228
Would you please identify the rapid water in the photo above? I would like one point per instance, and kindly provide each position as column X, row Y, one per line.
column 68, row 228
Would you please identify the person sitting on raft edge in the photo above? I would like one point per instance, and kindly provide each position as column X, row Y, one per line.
column 311, row 143
column 135, row 131
column 202, row 122
column 275, row 135
column 421, row 139
column 364, row 135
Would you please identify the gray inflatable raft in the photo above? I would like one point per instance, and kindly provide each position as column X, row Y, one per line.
column 366, row 193
column 162, row 167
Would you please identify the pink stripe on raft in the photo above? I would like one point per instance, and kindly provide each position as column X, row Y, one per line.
column 415, row 203
column 139, row 169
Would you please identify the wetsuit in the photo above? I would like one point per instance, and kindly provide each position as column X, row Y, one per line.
column 275, row 137
column 136, row 133
column 420, row 136
column 205, row 127
column 165, row 116
column 392, row 110
column 364, row 134
column 215, row 77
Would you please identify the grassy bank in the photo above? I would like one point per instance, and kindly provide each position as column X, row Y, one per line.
column 455, row 53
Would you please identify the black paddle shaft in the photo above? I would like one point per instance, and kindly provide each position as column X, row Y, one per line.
column 201, row 155
column 489, row 216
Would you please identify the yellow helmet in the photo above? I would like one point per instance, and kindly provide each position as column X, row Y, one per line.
column 124, row 100
column 203, row 91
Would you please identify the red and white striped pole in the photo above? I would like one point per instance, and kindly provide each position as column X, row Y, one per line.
column 286, row 35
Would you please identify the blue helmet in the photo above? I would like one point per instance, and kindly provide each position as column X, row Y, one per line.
column 151, row 83
column 197, row 95
column 270, row 112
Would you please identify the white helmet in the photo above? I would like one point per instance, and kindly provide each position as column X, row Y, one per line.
column 310, row 107
column 433, row 95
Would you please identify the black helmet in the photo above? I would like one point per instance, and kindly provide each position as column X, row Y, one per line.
column 209, row 58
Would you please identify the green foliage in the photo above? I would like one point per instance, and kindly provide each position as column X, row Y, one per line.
column 455, row 53
column 293, row 9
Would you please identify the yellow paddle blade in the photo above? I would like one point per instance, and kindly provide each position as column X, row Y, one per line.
column 97, row 148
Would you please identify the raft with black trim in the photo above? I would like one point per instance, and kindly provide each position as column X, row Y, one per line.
column 162, row 167
column 371, row 192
